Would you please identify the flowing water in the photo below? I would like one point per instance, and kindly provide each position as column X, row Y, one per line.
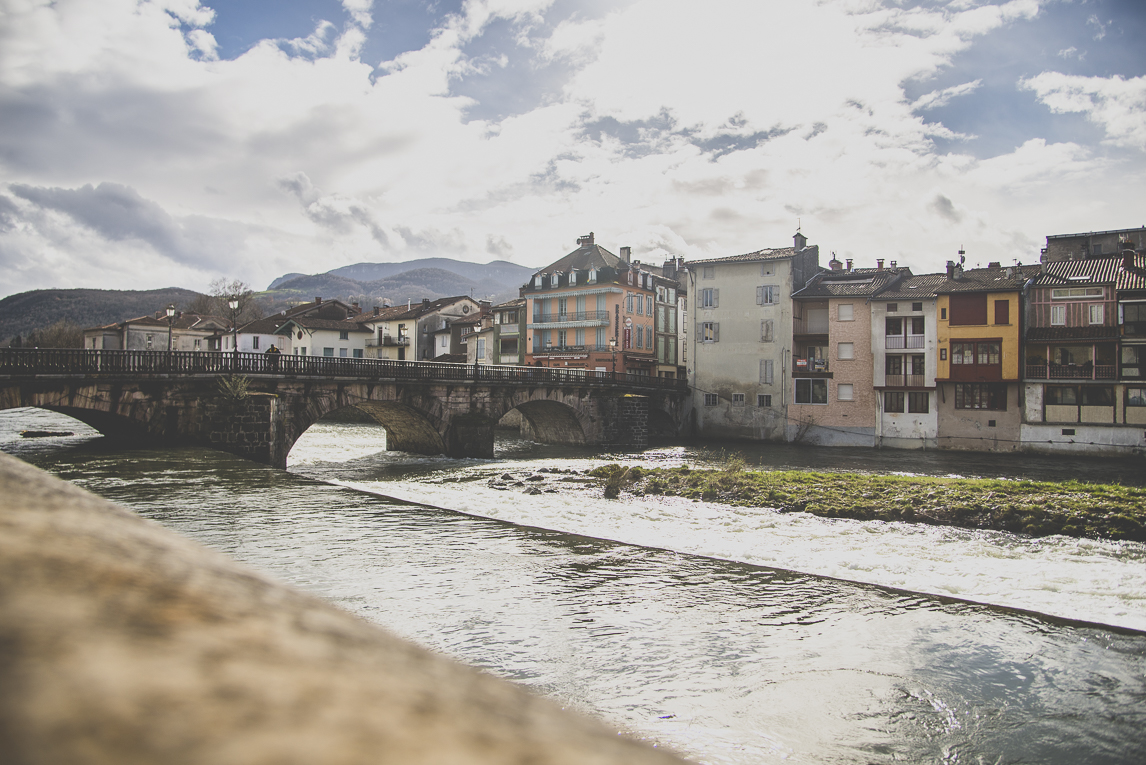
column 733, row 635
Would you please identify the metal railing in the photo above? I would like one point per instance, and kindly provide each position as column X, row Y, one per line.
column 34, row 363
column 1071, row 372
column 893, row 342
column 557, row 318
column 903, row 381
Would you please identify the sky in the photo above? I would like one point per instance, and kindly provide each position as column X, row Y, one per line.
column 159, row 143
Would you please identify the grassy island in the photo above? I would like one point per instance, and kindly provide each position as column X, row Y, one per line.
column 1037, row 508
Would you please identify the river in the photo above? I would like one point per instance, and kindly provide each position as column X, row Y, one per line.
column 733, row 635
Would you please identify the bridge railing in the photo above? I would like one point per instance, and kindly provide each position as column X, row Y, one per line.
column 38, row 362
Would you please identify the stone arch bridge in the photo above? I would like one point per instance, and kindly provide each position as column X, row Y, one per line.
column 257, row 405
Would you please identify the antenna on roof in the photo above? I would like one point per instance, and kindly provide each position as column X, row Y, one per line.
column 962, row 255
column 799, row 225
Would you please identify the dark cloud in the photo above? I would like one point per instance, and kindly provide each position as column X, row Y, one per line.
column 338, row 215
column 945, row 208
column 9, row 213
column 727, row 143
column 499, row 246
column 648, row 136
column 119, row 213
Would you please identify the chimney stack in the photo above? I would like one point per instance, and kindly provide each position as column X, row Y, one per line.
column 626, row 254
column 893, row 265
column 849, row 264
column 879, row 264
column 585, row 241
column 317, row 300
column 425, row 301
column 1127, row 259
column 834, row 263
column 800, row 241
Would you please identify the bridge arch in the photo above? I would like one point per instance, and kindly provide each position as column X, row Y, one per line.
column 552, row 422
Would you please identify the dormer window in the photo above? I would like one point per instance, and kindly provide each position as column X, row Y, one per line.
column 572, row 278
column 592, row 276
column 537, row 281
column 555, row 280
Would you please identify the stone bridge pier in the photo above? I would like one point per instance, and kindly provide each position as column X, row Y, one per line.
column 457, row 419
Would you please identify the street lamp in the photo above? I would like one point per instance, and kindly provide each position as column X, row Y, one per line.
column 548, row 354
column 170, row 317
column 613, row 350
column 233, row 304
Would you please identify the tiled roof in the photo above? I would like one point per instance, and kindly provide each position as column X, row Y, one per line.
column 515, row 303
column 858, row 282
column 1102, row 270
column 415, row 310
column 583, row 258
column 915, row 287
column 1133, row 278
column 989, row 279
column 185, row 321
column 777, row 254
column 1071, row 333
column 348, row 325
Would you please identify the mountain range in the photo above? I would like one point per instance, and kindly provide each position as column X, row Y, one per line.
column 37, row 309
column 372, row 283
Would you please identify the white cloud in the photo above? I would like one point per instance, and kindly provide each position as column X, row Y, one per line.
column 1117, row 105
column 676, row 129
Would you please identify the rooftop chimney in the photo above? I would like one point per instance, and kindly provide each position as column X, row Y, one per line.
column 377, row 310
column 835, row 263
column 1127, row 259
column 893, row 265
column 585, row 241
column 879, row 264
column 994, row 264
column 626, row 254
column 425, row 301
column 800, row 241
column 849, row 264
column 318, row 300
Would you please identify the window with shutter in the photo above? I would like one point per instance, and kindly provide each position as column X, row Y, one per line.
column 766, row 366
column 766, row 331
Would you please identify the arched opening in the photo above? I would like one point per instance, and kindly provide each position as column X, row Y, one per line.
column 662, row 428
column 550, row 422
column 407, row 429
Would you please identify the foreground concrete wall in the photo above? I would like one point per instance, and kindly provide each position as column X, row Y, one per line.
column 122, row 642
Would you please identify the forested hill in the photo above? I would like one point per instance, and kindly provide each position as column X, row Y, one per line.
column 21, row 313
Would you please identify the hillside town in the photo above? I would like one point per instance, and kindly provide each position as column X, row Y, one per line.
column 777, row 347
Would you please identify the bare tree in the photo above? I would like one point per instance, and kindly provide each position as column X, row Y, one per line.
column 249, row 306
column 206, row 305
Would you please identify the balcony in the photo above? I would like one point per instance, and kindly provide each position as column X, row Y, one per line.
column 387, row 341
column 809, row 365
column 601, row 317
column 1071, row 372
column 900, row 342
column 815, row 325
column 904, row 381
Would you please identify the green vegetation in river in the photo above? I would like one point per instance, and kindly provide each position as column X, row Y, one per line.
column 1038, row 508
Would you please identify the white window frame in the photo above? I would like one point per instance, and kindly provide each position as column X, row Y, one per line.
column 846, row 351
column 1097, row 313
column 846, row 312
column 1058, row 315
column 711, row 399
column 845, row 392
column 738, row 399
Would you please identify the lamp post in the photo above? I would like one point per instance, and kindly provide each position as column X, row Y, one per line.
column 613, row 350
column 548, row 354
column 233, row 304
column 170, row 317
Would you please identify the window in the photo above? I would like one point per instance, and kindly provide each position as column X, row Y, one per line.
column 942, row 313
column 846, row 351
column 1097, row 313
column 766, row 371
column 1097, row 396
column 893, row 326
column 981, row 396
column 846, row 312
column 149, row 342
column 917, row 306
column 969, row 309
column 592, row 276
column 709, row 332
column 327, row 351
column 738, row 399
column 765, row 399
column 1066, row 293
column 766, row 269
column 811, row 391
column 1136, row 397
column 554, row 280
column 918, row 403
column 197, row 341
column 711, row 399
column 845, row 392
column 255, row 342
column 917, row 325
column 1058, row 315
column 709, row 298
column 481, row 349
column 892, row 307
column 640, row 305
column 766, row 294
column 708, row 272
column 357, row 353
column 445, row 342
column 985, row 353
column 344, row 334
column 766, row 334
column 640, row 336
column 1060, row 395
column 342, row 352
column 302, row 351
column 893, row 401
column 572, row 278
column 1002, row 312
column 648, row 305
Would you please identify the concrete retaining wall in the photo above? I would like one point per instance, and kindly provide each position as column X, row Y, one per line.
column 122, row 642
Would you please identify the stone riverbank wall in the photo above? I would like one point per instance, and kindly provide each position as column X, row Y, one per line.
column 122, row 642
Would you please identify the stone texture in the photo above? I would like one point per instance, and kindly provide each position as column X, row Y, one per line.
column 122, row 642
